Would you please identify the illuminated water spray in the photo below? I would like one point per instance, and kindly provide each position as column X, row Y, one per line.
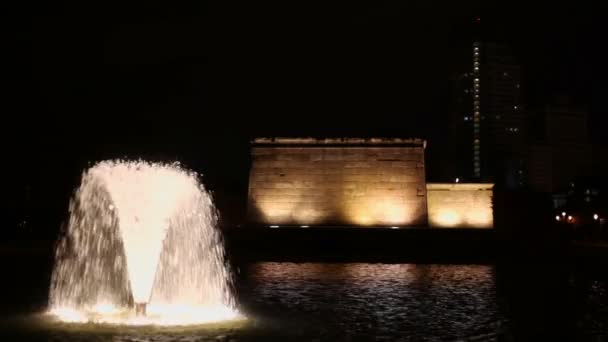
column 141, row 237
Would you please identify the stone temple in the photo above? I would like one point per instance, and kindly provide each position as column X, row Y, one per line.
column 352, row 182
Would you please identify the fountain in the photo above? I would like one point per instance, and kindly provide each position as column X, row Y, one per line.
column 141, row 247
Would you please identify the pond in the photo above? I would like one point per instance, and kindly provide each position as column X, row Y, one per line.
column 359, row 301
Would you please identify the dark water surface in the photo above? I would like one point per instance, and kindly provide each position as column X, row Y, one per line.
column 356, row 301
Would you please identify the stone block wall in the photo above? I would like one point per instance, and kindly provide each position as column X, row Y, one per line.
column 346, row 182
column 460, row 205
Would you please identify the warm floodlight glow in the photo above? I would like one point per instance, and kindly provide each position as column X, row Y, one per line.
column 145, row 234
column 362, row 218
column 276, row 212
column 391, row 211
column 448, row 218
column 455, row 218
column 460, row 205
column 374, row 211
column 307, row 214
column 287, row 213
column 479, row 217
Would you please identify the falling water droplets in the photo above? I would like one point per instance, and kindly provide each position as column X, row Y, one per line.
column 146, row 233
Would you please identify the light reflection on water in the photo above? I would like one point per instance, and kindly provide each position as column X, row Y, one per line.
column 380, row 300
column 357, row 301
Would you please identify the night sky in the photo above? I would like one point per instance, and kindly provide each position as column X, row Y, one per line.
column 194, row 81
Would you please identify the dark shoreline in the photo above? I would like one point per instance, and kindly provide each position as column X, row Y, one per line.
column 335, row 244
column 28, row 263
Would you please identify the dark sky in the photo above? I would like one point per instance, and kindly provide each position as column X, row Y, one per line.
column 193, row 81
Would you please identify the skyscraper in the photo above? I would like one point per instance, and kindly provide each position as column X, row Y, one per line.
column 487, row 126
column 562, row 151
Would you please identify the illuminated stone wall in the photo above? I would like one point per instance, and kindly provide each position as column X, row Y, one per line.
column 353, row 182
column 460, row 205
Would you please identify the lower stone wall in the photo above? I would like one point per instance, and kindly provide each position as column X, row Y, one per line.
column 460, row 205
column 337, row 185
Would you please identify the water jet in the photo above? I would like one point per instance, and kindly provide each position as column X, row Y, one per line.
column 146, row 234
column 140, row 309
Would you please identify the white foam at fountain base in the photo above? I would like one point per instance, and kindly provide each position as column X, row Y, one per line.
column 155, row 315
column 141, row 233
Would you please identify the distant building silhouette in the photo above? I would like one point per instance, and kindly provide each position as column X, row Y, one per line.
column 487, row 120
column 560, row 150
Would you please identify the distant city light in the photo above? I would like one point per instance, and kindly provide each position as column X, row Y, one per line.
column 274, row 226
column 596, row 217
column 304, row 226
column 394, row 227
column 457, row 180
column 570, row 218
column 563, row 213
column 557, row 218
